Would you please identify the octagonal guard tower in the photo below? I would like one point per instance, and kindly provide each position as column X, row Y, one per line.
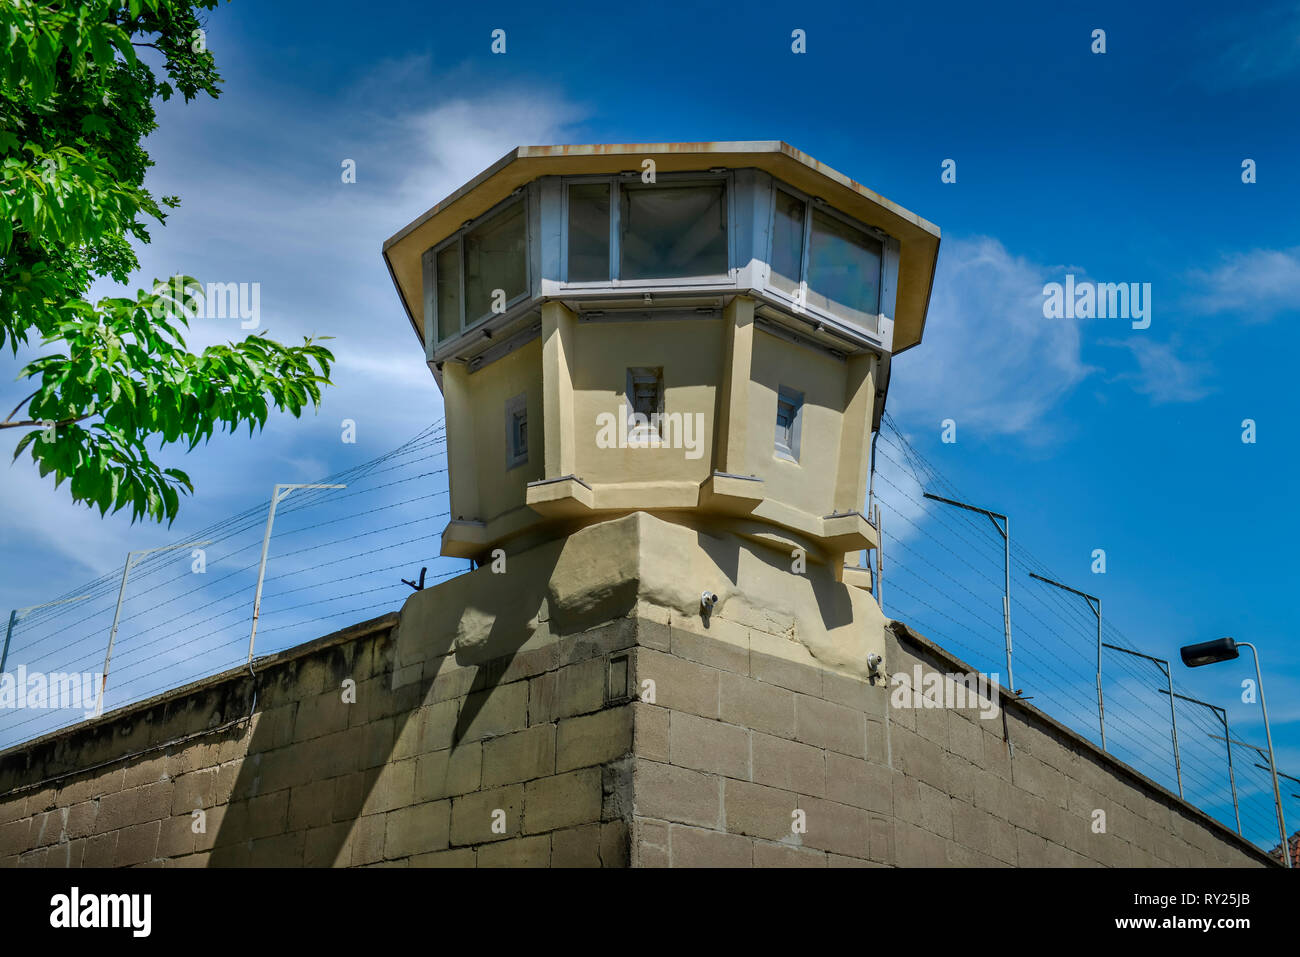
column 697, row 334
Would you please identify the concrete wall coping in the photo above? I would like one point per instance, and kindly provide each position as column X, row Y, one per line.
column 363, row 629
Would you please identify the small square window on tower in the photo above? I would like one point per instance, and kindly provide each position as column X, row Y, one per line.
column 517, row 430
column 789, row 423
column 645, row 402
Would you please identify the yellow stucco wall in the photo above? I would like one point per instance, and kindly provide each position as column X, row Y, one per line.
column 809, row 484
column 499, row 489
column 575, row 378
column 690, row 353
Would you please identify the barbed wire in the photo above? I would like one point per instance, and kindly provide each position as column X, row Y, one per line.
column 187, row 613
column 945, row 563
column 954, row 558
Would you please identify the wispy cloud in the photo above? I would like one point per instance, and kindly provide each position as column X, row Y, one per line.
column 1257, row 285
column 990, row 360
column 1161, row 374
column 277, row 212
column 457, row 140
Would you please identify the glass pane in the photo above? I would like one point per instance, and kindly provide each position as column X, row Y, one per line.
column 589, row 232
column 495, row 259
column 448, row 273
column 787, row 242
column 844, row 270
column 669, row 231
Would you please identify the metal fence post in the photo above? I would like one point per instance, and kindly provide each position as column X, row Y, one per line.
column 131, row 559
column 1163, row 665
column 1222, row 715
column 19, row 613
column 1096, row 609
column 880, row 561
column 281, row 492
column 1004, row 530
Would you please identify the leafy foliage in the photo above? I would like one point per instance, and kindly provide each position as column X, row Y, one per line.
column 76, row 103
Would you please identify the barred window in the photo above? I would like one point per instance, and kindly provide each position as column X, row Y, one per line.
column 789, row 423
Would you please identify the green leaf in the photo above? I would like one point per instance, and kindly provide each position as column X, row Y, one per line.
column 77, row 113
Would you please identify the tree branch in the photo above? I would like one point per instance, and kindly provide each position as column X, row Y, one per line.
column 20, row 405
column 18, row 425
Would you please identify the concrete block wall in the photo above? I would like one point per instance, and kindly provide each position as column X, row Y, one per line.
column 524, row 761
column 645, row 741
column 742, row 743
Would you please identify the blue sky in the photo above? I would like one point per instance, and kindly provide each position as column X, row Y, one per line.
column 1121, row 167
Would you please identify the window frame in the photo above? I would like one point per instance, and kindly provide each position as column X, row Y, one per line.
column 616, row 182
column 789, row 451
column 514, row 406
column 799, row 299
column 465, row 323
column 611, row 183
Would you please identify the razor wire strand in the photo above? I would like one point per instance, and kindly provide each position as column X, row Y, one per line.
column 979, row 537
column 129, row 679
column 1195, row 773
column 1020, row 555
column 324, row 582
column 937, row 589
column 224, row 530
column 996, row 646
column 349, row 611
column 1072, row 609
column 144, row 568
column 242, row 589
column 423, row 447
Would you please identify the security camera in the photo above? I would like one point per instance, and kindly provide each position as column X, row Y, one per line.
column 707, row 600
column 873, row 663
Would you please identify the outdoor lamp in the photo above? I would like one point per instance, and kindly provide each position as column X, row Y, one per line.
column 1209, row 652
column 1225, row 649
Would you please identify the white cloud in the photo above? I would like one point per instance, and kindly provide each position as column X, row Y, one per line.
column 990, row 360
column 85, row 545
column 461, row 138
column 275, row 211
column 1162, row 375
column 1257, row 284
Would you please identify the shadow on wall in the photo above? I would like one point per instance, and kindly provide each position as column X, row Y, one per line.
column 316, row 764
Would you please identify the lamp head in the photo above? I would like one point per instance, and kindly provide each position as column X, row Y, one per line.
column 1209, row 652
